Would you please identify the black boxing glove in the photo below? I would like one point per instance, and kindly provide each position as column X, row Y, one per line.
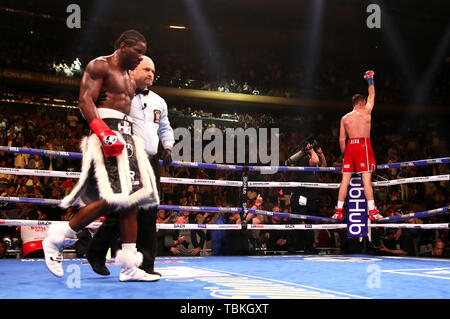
column 166, row 156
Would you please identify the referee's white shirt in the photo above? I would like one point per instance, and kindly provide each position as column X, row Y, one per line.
column 151, row 122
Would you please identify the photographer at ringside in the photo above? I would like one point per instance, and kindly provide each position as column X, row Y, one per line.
column 395, row 241
column 303, row 199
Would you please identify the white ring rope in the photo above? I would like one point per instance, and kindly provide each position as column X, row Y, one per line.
column 190, row 181
column 46, row 223
column 173, row 180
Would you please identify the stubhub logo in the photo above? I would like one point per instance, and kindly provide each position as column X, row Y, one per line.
column 357, row 208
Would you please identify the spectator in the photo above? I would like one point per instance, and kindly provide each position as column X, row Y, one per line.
column 386, row 242
column 184, row 242
column 40, row 133
column 2, row 250
column 20, row 159
column 4, row 178
column 219, row 238
column 438, row 250
column 68, row 214
column 72, row 119
column 163, row 217
column 35, row 162
column 33, row 182
column 67, row 185
column 279, row 240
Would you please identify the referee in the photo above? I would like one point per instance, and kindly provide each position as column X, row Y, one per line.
column 151, row 124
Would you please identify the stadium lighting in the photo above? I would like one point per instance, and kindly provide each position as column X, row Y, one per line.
column 177, row 27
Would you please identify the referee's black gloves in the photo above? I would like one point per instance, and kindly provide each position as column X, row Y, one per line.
column 166, row 157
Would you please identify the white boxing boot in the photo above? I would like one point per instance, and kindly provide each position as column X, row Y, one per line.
column 58, row 236
column 130, row 260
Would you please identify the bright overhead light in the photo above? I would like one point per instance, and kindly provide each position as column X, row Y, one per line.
column 179, row 27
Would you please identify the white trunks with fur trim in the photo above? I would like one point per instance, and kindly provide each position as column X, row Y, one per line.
column 124, row 180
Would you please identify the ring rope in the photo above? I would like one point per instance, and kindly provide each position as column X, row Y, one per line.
column 423, row 162
column 427, row 213
column 15, row 171
column 212, row 182
column 423, row 214
column 45, row 223
column 44, row 201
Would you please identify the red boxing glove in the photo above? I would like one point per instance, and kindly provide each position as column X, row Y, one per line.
column 111, row 143
column 368, row 76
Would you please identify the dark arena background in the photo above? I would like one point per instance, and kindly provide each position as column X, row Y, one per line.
column 257, row 224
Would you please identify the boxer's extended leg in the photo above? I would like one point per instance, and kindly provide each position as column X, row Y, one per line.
column 368, row 192
column 367, row 183
column 128, row 257
column 343, row 188
column 128, row 225
column 58, row 237
column 88, row 214
column 64, row 235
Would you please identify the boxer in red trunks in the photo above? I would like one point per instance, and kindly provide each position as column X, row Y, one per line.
column 357, row 153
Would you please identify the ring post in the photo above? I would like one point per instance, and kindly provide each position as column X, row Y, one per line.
column 244, row 197
column 356, row 208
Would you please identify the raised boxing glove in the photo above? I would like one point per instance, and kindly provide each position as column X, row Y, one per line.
column 368, row 76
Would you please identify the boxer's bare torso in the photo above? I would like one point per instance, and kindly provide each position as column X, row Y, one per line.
column 107, row 83
column 357, row 123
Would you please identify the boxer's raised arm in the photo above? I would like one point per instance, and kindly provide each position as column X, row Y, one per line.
column 368, row 76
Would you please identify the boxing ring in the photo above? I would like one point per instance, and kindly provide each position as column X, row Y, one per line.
column 252, row 277
column 239, row 277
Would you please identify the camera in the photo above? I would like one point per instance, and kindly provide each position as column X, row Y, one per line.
column 382, row 237
column 313, row 144
column 378, row 242
column 306, row 145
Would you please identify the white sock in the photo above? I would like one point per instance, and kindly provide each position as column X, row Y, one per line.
column 340, row 204
column 371, row 204
column 129, row 246
column 70, row 232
